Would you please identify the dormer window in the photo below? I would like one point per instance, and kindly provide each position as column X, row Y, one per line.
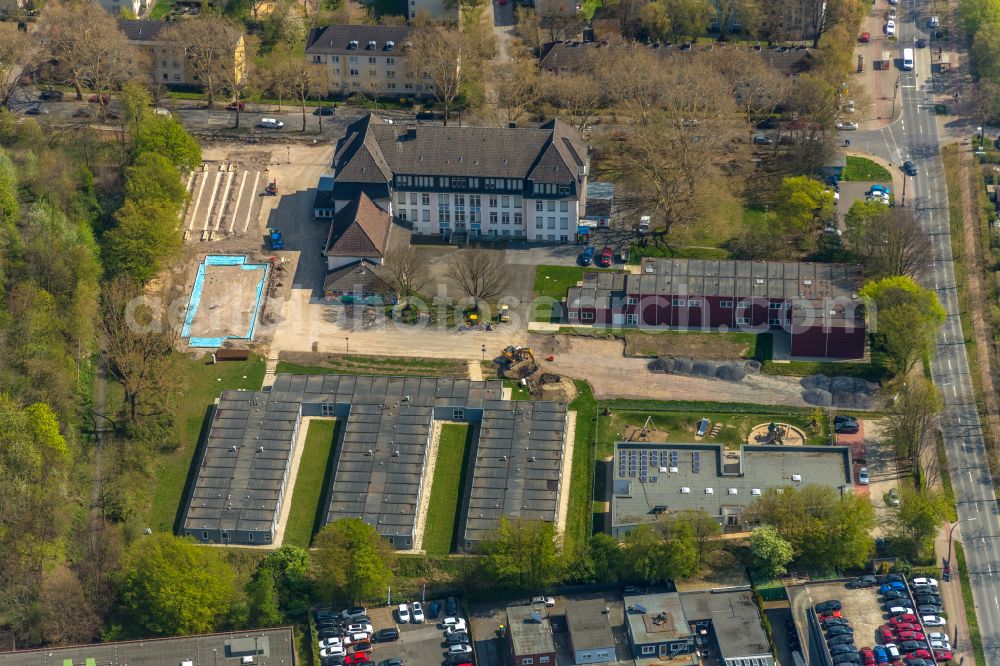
column 352, row 45
column 390, row 46
column 371, row 45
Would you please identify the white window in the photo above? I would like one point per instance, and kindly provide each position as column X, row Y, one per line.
column 774, row 322
column 539, row 222
column 742, row 320
column 678, row 302
column 552, row 223
column 505, row 218
column 543, row 660
column 538, row 204
column 458, row 414
column 572, row 315
column 563, row 206
column 327, row 409
column 694, row 303
column 551, row 206
column 743, row 305
column 649, row 649
column 563, row 223
column 505, row 201
column 774, row 306
column 725, row 304
column 493, row 217
column 527, row 661
column 587, row 316
column 518, row 220
column 632, row 319
column 632, row 300
column 425, row 199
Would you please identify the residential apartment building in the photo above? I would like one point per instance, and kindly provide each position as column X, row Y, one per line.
column 163, row 61
column 474, row 182
column 367, row 59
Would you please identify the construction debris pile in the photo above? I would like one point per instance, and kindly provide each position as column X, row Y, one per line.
column 849, row 392
column 733, row 371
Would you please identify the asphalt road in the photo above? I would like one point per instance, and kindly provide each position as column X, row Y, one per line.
column 915, row 136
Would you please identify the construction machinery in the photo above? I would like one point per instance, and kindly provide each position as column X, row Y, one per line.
column 520, row 362
column 272, row 188
column 274, row 237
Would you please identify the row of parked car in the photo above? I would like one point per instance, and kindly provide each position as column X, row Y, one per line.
column 347, row 638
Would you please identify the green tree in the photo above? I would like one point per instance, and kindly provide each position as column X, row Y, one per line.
column 903, row 317
column 262, row 595
column 145, row 238
column 985, row 51
column 351, row 561
column 166, row 136
column 688, row 18
column 289, row 567
column 172, row 586
column 522, row 555
column 654, row 21
column 704, row 529
column 605, row 556
column 645, row 556
column 911, row 422
column 135, row 102
column 915, row 522
column 771, row 552
column 976, row 13
column 152, row 178
column 804, row 205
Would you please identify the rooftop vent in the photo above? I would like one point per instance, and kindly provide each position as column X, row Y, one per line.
column 733, row 491
column 755, row 491
column 796, row 477
column 709, row 491
column 673, row 470
column 685, row 490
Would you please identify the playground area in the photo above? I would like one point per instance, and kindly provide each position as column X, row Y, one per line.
column 225, row 301
column 732, row 430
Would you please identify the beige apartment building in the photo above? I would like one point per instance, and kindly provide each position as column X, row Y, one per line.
column 366, row 59
column 164, row 62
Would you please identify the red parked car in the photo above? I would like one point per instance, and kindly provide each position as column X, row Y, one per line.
column 919, row 654
column 910, row 636
column 867, row 656
column 905, row 619
column 356, row 658
column 943, row 655
column 866, row 37
column 606, row 257
column 103, row 99
column 234, row 105
column 886, row 634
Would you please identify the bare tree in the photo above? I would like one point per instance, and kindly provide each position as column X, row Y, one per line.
column 16, row 54
column 306, row 80
column 755, row 85
column 512, row 88
column 890, row 243
column 435, row 60
column 213, row 48
column 912, row 419
column 407, row 271
column 84, row 47
column 578, row 95
column 480, row 274
column 135, row 344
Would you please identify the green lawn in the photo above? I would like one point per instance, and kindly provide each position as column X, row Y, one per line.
column 970, row 607
column 580, row 514
column 341, row 364
column 203, row 383
column 862, row 168
column 306, row 513
column 449, row 473
column 679, row 423
column 161, row 9
column 517, row 392
column 552, row 282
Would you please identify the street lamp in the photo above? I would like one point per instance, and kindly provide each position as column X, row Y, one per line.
column 484, row 352
column 347, row 343
column 951, row 538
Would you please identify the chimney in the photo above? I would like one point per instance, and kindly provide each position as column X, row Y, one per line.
column 411, row 132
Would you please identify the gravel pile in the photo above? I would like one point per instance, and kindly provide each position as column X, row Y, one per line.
column 848, row 392
column 734, row 371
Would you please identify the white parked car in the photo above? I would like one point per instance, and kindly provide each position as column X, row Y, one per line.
column 456, row 628
column 941, row 645
column 451, row 621
column 404, row 614
column 418, row 612
column 333, row 651
column 924, row 581
column 360, row 629
column 934, row 22
column 336, row 641
column 892, row 13
column 863, row 476
column 548, row 601
column 460, row 649
column 892, row 650
column 890, row 27
column 900, row 610
column 270, row 123
column 937, row 636
column 933, row 621
column 160, row 111
column 846, row 125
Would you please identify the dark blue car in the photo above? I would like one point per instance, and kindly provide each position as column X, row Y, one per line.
column 894, row 585
column 587, row 258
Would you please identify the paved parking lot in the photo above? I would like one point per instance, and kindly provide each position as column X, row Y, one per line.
column 861, row 607
column 418, row 644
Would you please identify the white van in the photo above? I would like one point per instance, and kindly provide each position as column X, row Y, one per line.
column 907, row 59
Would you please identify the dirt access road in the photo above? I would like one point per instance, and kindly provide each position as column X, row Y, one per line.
column 612, row 375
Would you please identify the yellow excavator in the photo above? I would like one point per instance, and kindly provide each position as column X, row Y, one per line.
column 520, row 362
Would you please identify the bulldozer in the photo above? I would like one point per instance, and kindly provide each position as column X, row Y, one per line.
column 520, row 362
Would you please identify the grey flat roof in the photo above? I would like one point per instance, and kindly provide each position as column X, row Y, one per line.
column 653, row 478
column 734, row 617
column 243, row 466
column 664, row 620
column 518, row 465
column 274, row 647
column 589, row 627
column 529, row 637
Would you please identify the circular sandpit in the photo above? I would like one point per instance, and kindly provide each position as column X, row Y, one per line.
column 776, row 433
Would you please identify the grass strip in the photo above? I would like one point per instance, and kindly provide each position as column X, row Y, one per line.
column 580, row 515
column 310, row 483
column 442, row 513
column 970, row 606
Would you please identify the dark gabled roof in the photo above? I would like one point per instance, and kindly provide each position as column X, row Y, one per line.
column 360, row 229
column 371, row 151
column 141, row 30
column 359, row 277
column 336, row 39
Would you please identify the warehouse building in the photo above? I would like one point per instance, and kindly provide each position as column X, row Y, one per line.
column 380, row 455
column 652, row 479
column 817, row 304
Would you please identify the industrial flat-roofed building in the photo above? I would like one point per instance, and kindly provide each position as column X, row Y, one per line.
column 590, row 637
column 260, row 647
column 818, row 304
column 530, row 641
column 657, row 627
column 728, row 622
column 379, row 457
column 652, row 479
